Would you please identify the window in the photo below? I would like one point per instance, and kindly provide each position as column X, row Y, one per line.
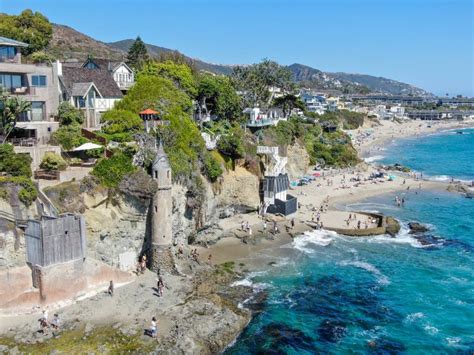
column 37, row 111
column 38, row 80
column 11, row 81
column 91, row 65
column 7, row 52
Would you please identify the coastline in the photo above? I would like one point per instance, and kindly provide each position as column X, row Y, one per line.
column 244, row 253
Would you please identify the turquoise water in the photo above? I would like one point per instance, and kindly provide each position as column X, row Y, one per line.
column 442, row 155
column 410, row 294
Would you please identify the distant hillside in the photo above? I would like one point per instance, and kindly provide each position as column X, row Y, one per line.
column 67, row 43
column 351, row 83
column 156, row 51
column 380, row 84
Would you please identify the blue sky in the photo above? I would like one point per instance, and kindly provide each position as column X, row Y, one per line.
column 428, row 43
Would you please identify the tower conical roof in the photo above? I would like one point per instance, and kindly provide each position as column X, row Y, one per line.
column 161, row 158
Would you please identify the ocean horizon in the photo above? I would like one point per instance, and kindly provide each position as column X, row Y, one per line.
column 409, row 294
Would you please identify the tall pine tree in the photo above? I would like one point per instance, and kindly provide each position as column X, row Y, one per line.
column 137, row 54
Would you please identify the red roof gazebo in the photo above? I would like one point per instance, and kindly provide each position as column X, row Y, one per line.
column 149, row 114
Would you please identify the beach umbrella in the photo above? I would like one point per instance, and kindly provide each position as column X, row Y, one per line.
column 87, row 146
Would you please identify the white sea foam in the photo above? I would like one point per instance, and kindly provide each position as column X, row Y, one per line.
column 430, row 329
column 403, row 237
column 412, row 317
column 248, row 281
column 374, row 158
column 453, row 341
column 381, row 278
column 316, row 237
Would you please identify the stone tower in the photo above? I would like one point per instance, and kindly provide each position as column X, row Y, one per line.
column 161, row 214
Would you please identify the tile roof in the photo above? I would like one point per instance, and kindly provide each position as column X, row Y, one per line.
column 101, row 78
column 11, row 42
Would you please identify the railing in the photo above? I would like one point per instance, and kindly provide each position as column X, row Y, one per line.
column 262, row 123
column 125, row 84
column 24, row 142
column 23, row 90
column 6, row 59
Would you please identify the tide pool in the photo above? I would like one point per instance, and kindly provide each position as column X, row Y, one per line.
column 409, row 294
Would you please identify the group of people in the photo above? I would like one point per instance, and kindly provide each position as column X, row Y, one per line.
column 45, row 324
column 399, row 201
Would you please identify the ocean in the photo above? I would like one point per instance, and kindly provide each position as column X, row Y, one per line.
column 409, row 294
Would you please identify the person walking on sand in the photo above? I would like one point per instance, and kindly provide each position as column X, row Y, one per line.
column 292, row 223
column 209, row 259
column 110, row 290
column 358, row 224
column 160, row 285
column 264, row 226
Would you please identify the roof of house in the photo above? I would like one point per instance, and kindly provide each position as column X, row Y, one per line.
column 149, row 112
column 81, row 89
column 11, row 42
column 104, row 63
column 102, row 79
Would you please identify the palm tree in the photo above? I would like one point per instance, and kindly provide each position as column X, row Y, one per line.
column 11, row 107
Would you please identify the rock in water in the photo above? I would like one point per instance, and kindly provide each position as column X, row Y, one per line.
column 416, row 227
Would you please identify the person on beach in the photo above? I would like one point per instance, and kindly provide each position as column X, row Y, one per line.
column 209, row 259
column 358, row 224
column 249, row 231
column 110, row 290
column 44, row 322
column 55, row 323
column 292, row 223
column 153, row 329
column 264, row 226
column 160, row 285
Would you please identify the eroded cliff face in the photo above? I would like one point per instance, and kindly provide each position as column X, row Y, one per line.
column 298, row 161
column 12, row 241
column 118, row 225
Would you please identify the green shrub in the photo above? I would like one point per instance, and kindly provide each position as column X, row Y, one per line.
column 14, row 164
column 53, row 162
column 41, row 57
column 121, row 121
column 27, row 192
column 211, row 168
column 69, row 115
column 69, row 137
column 111, row 171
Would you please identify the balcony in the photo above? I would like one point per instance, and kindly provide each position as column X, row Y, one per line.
column 11, row 59
column 24, row 90
column 125, row 85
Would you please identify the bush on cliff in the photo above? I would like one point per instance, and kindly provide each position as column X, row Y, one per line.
column 110, row 172
column 14, row 164
column 27, row 192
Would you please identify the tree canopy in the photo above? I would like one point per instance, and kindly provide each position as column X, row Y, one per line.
column 11, row 107
column 179, row 73
column 220, row 96
column 29, row 27
column 137, row 55
column 289, row 102
column 120, row 121
column 256, row 80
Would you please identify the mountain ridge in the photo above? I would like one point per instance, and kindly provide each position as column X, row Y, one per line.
column 68, row 43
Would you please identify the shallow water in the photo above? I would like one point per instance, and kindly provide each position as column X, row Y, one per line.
column 441, row 156
column 409, row 294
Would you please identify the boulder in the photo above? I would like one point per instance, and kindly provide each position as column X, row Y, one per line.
column 416, row 227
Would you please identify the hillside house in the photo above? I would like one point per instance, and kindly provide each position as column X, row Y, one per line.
column 37, row 84
column 261, row 118
column 121, row 72
column 92, row 90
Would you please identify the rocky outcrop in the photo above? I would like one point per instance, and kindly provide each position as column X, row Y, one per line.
column 298, row 161
column 416, row 227
column 239, row 188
